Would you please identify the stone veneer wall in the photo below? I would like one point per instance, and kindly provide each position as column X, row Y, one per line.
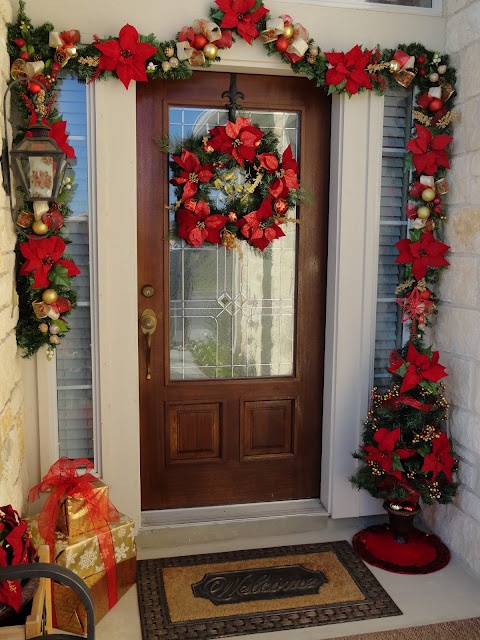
column 457, row 330
column 13, row 474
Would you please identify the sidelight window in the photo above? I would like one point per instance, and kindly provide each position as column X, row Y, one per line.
column 393, row 227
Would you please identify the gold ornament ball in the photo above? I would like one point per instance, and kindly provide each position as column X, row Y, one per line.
column 54, row 329
column 166, row 66
column 174, row 62
column 313, row 51
column 442, row 68
column 49, row 296
column 394, row 66
column 288, row 31
column 423, row 212
column 54, row 340
column 433, row 77
column 43, row 327
column 39, row 228
column 428, row 195
column 210, row 51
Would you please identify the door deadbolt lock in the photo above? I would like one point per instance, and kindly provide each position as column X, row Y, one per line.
column 148, row 291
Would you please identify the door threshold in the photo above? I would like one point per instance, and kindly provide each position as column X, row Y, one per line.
column 231, row 513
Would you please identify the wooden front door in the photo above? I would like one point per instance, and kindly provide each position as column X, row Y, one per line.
column 232, row 411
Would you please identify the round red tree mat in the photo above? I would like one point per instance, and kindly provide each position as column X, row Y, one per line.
column 423, row 553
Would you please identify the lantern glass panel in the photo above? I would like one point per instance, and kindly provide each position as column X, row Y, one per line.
column 40, row 165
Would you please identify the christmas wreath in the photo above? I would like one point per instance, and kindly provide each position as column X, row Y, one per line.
column 233, row 185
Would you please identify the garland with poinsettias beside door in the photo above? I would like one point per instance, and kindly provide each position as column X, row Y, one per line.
column 406, row 451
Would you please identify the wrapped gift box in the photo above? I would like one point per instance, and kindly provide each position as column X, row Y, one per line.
column 69, row 612
column 73, row 519
column 82, row 555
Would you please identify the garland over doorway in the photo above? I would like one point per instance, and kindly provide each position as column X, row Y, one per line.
column 44, row 279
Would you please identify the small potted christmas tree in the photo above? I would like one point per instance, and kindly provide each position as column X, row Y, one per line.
column 406, row 455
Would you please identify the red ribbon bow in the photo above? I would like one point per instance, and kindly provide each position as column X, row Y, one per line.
column 62, row 480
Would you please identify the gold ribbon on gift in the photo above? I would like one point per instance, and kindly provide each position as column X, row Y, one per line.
column 197, row 59
column 441, row 187
column 65, row 45
column 447, row 89
column 402, row 67
column 274, row 27
column 43, row 310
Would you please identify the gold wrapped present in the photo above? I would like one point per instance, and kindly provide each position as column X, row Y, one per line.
column 69, row 612
column 73, row 516
column 82, row 554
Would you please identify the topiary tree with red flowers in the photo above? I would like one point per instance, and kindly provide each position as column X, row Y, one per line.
column 406, row 456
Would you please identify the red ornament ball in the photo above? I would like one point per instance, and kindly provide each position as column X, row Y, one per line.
column 34, row 87
column 20, row 42
column 437, row 200
column 437, row 209
column 281, row 44
column 421, row 59
column 435, row 105
column 24, row 55
column 425, row 295
column 56, row 67
column 199, row 41
column 422, row 72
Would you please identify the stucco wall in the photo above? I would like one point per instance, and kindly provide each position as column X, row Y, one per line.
column 457, row 332
column 13, row 472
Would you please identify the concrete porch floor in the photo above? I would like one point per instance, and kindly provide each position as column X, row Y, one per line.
column 449, row 594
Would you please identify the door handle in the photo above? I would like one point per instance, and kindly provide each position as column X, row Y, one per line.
column 148, row 324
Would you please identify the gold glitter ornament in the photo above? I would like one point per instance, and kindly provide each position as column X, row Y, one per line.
column 210, row 51
column 49, row 296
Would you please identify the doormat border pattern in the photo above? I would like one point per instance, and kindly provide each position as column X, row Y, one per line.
column 156, row 623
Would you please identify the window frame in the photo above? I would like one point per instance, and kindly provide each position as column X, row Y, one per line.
column 435, row 10
column 46, row 370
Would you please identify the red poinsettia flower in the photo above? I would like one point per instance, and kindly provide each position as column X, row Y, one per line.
column 40, row 256
column 414, row 307
column 426, row 252
column 239, row 15
column 268, row 161
column 195, row 223
column 441, row 458
column 239, row 139
column 260, row 227
column 286, row 176
column 349, row 68
column 418, row 367
column 15, row 548
column 57, row 132
column 126, row 56
column 193, row 173
column 428, row 150
column 383, row 454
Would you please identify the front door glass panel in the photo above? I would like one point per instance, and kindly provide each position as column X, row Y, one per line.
column 232, row 314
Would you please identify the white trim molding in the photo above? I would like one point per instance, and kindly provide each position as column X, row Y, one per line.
column 355, row 169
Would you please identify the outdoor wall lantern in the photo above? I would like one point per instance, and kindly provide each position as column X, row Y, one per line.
column 38, row 163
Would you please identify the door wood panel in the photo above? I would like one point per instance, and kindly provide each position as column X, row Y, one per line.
column 226, row 441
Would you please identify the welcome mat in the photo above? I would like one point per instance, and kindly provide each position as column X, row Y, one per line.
column 242, row 592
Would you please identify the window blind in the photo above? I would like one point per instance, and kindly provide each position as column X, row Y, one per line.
column 75, row 401
column 393, row 225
